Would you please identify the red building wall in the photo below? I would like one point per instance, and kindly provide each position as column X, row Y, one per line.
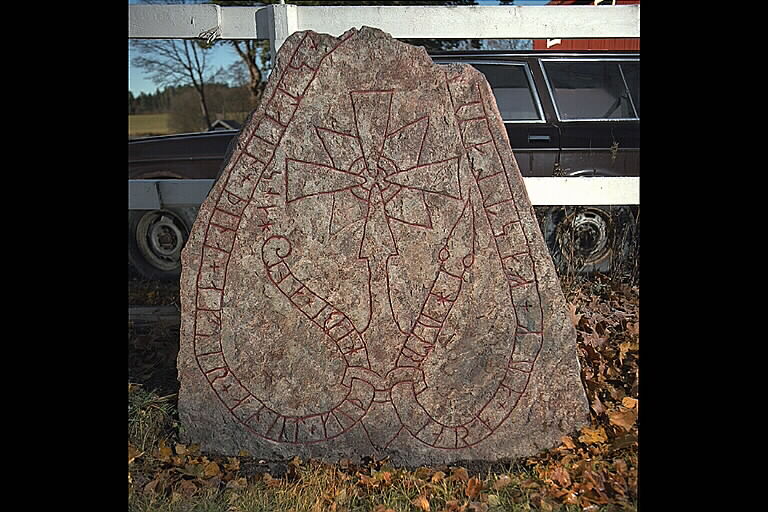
column 588, row 44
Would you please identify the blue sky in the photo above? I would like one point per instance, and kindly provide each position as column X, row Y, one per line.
column 223, row 56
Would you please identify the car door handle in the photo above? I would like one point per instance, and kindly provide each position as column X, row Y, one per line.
column 538, row 138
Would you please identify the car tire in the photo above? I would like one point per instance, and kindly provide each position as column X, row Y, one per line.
column 587, row 239
column 155, row 240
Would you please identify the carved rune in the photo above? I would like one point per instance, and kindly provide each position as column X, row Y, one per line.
column 376, row 174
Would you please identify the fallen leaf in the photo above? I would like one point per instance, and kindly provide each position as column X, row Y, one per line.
column 572, row 314
column 502, row 482
column 181, row 449
column 151, row 487
column 623, row 417
column 193, row 469
column 597, row 405
column 187, row 488
column 568, row 442
column 459, row 474
column 478, row 507
column 368, row 481
column 211, row 469
column 232, row 464
column 133, row 453
column 382, row 508
column 270, row 481
column 454, row 506
column 629, row 403
column 623, row 441
column 438, row 476
column 164, row 452
column 593, row 435
column 237, row 483
column 474, row 486
column 493, row 500
column 561, row 477
column 421, row 502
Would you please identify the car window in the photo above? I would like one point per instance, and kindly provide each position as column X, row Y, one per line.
column 631, row 71
column 592, row 90
column 512, row 89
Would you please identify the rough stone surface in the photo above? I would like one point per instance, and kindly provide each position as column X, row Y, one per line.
column 367, row 277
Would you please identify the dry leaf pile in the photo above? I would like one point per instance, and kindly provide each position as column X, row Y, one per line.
column 592, row 469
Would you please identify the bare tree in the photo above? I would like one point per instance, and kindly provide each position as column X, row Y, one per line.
column 254, row 54
column 171, row 62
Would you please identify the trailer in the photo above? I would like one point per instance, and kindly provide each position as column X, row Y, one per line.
column 161, row 210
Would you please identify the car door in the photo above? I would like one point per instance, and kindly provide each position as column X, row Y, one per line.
column 597, row 103
column 534, row 139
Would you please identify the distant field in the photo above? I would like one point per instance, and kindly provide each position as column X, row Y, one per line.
column 148, row 124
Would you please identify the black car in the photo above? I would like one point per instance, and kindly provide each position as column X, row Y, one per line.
column 566, row 114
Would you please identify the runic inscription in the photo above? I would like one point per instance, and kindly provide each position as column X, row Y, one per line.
column 367, row 276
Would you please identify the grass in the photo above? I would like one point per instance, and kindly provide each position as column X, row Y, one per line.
column 148, row 124
column 151, row 418
column 586, row 473
column 314, row 486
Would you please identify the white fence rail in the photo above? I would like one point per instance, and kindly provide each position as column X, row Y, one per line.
column 277, row 22
column 595, row 191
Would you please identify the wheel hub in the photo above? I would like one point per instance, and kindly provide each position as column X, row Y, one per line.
column 585, row 236
column 590, row 235
column 160, row 237
column 166, row 238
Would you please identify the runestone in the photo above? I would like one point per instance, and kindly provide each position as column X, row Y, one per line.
column 367, row 276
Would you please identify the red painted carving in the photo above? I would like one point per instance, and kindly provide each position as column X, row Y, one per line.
column 372, row 167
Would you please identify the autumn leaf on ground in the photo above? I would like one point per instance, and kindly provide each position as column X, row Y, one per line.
column 629, row 402
column 164, row 452
column 568, row 442
column 623, row 417
column 422, row 502
column 458, row 474
column 439, row 475
column 187, row 488
column 368, row 481
column 561, row 477
column 593, row 435
column 133, row 453
column 232, row 464
column 270, row 480
column 502, row 481
column 211, row 469
column 597, row 405
column 572, row 314
column 151, row 487
column 474, row 486
column 454, row 506
column 237, row 483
